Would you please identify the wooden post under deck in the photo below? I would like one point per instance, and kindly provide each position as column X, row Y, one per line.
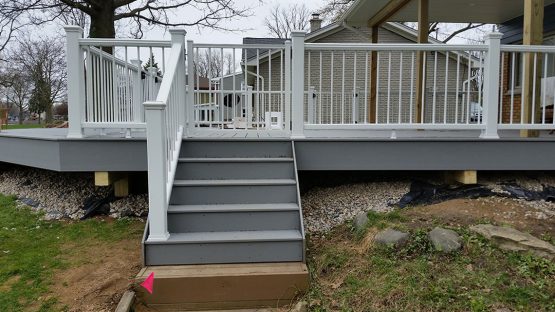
column 373, row 78
column 423, row 28
column 532, row 35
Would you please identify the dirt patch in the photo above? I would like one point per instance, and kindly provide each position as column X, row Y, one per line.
column 98, row 275
column 522, row 215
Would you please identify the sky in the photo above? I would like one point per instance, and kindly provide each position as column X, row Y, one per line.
column 253, row 26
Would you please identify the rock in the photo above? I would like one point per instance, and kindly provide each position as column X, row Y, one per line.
column 445, row 240
column 302, row 306
column 360, row 221
column 30, row 202
column 511, row 239
column 390, row 237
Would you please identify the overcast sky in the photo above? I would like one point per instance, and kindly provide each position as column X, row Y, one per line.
column 254, row 25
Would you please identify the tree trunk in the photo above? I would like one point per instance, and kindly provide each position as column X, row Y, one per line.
column 103, row 24
column 20, row 115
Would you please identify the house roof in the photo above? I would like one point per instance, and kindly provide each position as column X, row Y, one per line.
column 251, row 53
column 448, row 11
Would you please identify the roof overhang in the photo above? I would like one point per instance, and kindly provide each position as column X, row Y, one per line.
column 445, row 11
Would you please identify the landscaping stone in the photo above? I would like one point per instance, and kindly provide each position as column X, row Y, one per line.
column 390, row 237
column 511, row 239
column 445, row 240
column 30, row 202
column 302, row 306
column 360, row 221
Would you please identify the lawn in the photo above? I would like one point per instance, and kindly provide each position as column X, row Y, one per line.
column 350, row 273
column 24, row 126
column 34, row 254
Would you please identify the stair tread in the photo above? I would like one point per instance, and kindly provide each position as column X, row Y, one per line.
column 234, row 182
column 231, row 237
column 235, row 159
column 233, row 207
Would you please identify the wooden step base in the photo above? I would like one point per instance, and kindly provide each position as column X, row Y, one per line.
column 223, row 286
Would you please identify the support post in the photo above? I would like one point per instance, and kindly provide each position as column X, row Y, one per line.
column 287, row 117
column 138, row 115
column 490, row 109
column 532, row 35
column 75, row 81
column 157, row 171
column 423, row 28
column 178, row 37
column 297, row 87
column 190, row 103
column 373, row 78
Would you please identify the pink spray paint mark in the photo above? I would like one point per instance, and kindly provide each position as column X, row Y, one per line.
column 148, row 284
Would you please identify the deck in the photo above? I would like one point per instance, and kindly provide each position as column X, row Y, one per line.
column 51, row 149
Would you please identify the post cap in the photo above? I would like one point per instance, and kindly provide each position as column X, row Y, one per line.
column 73, row 28
column 178, row 31
column 494, row 35
column 298, row 33
column 154, row 105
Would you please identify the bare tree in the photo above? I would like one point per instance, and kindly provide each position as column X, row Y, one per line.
column 333, row 9
column 210, row 64
column 104, row 14
column 19, row 91
column 283, row 20
column 43, row 61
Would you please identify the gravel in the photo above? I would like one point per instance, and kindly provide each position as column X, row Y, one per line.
column 61, row 195
column 326, row 208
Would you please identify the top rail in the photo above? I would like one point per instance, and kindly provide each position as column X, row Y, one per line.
column 528, row 48
column 238, row 46
column 124, row 43
column 395, row 47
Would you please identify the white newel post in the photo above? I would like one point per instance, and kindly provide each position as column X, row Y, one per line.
column 138, row 92
column 190, row 103
column 297, row 85
column 178, row 37
column 490, row 108
column 157, row 171
column 75, row 81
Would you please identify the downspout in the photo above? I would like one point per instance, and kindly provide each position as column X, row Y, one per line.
column 258, row 95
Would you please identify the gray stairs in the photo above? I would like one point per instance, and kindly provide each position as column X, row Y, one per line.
column 232, row 202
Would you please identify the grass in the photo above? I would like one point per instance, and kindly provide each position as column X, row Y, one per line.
column 31, row 251
column 481, row 277
column 25, row 126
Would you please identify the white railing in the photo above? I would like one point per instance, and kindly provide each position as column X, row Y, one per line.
column 348, row 94
column 537, row 114
column 240, row 86
column 107, row 82
column 165, row 122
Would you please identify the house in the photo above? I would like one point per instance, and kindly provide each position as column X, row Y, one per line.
column 340, row 95
column 511, row 99
column 225, row 225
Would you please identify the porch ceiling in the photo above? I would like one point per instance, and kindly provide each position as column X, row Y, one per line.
column 447, row 11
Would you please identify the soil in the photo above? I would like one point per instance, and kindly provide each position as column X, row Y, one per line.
column 99, row 276
column 501, row 211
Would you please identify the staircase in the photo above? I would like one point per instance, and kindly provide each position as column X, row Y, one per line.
column 232, row 202
column 236, row 233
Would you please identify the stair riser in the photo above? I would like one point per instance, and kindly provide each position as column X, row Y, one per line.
column 239, row 170
column 208, row 195
column 233, row 221
column 213, row 253
column 239, row 149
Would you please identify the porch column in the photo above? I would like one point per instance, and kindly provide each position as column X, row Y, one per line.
column 297, row 84
column 372, row 104
column 532, row 35
column 423, row 28
column 75, row 81
column 491, row 86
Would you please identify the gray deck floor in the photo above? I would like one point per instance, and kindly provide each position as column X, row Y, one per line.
column 205, row 133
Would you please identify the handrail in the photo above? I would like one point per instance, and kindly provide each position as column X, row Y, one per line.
column 396, row 47
column 100, row 42
column 165, row 124
column 115, row 59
